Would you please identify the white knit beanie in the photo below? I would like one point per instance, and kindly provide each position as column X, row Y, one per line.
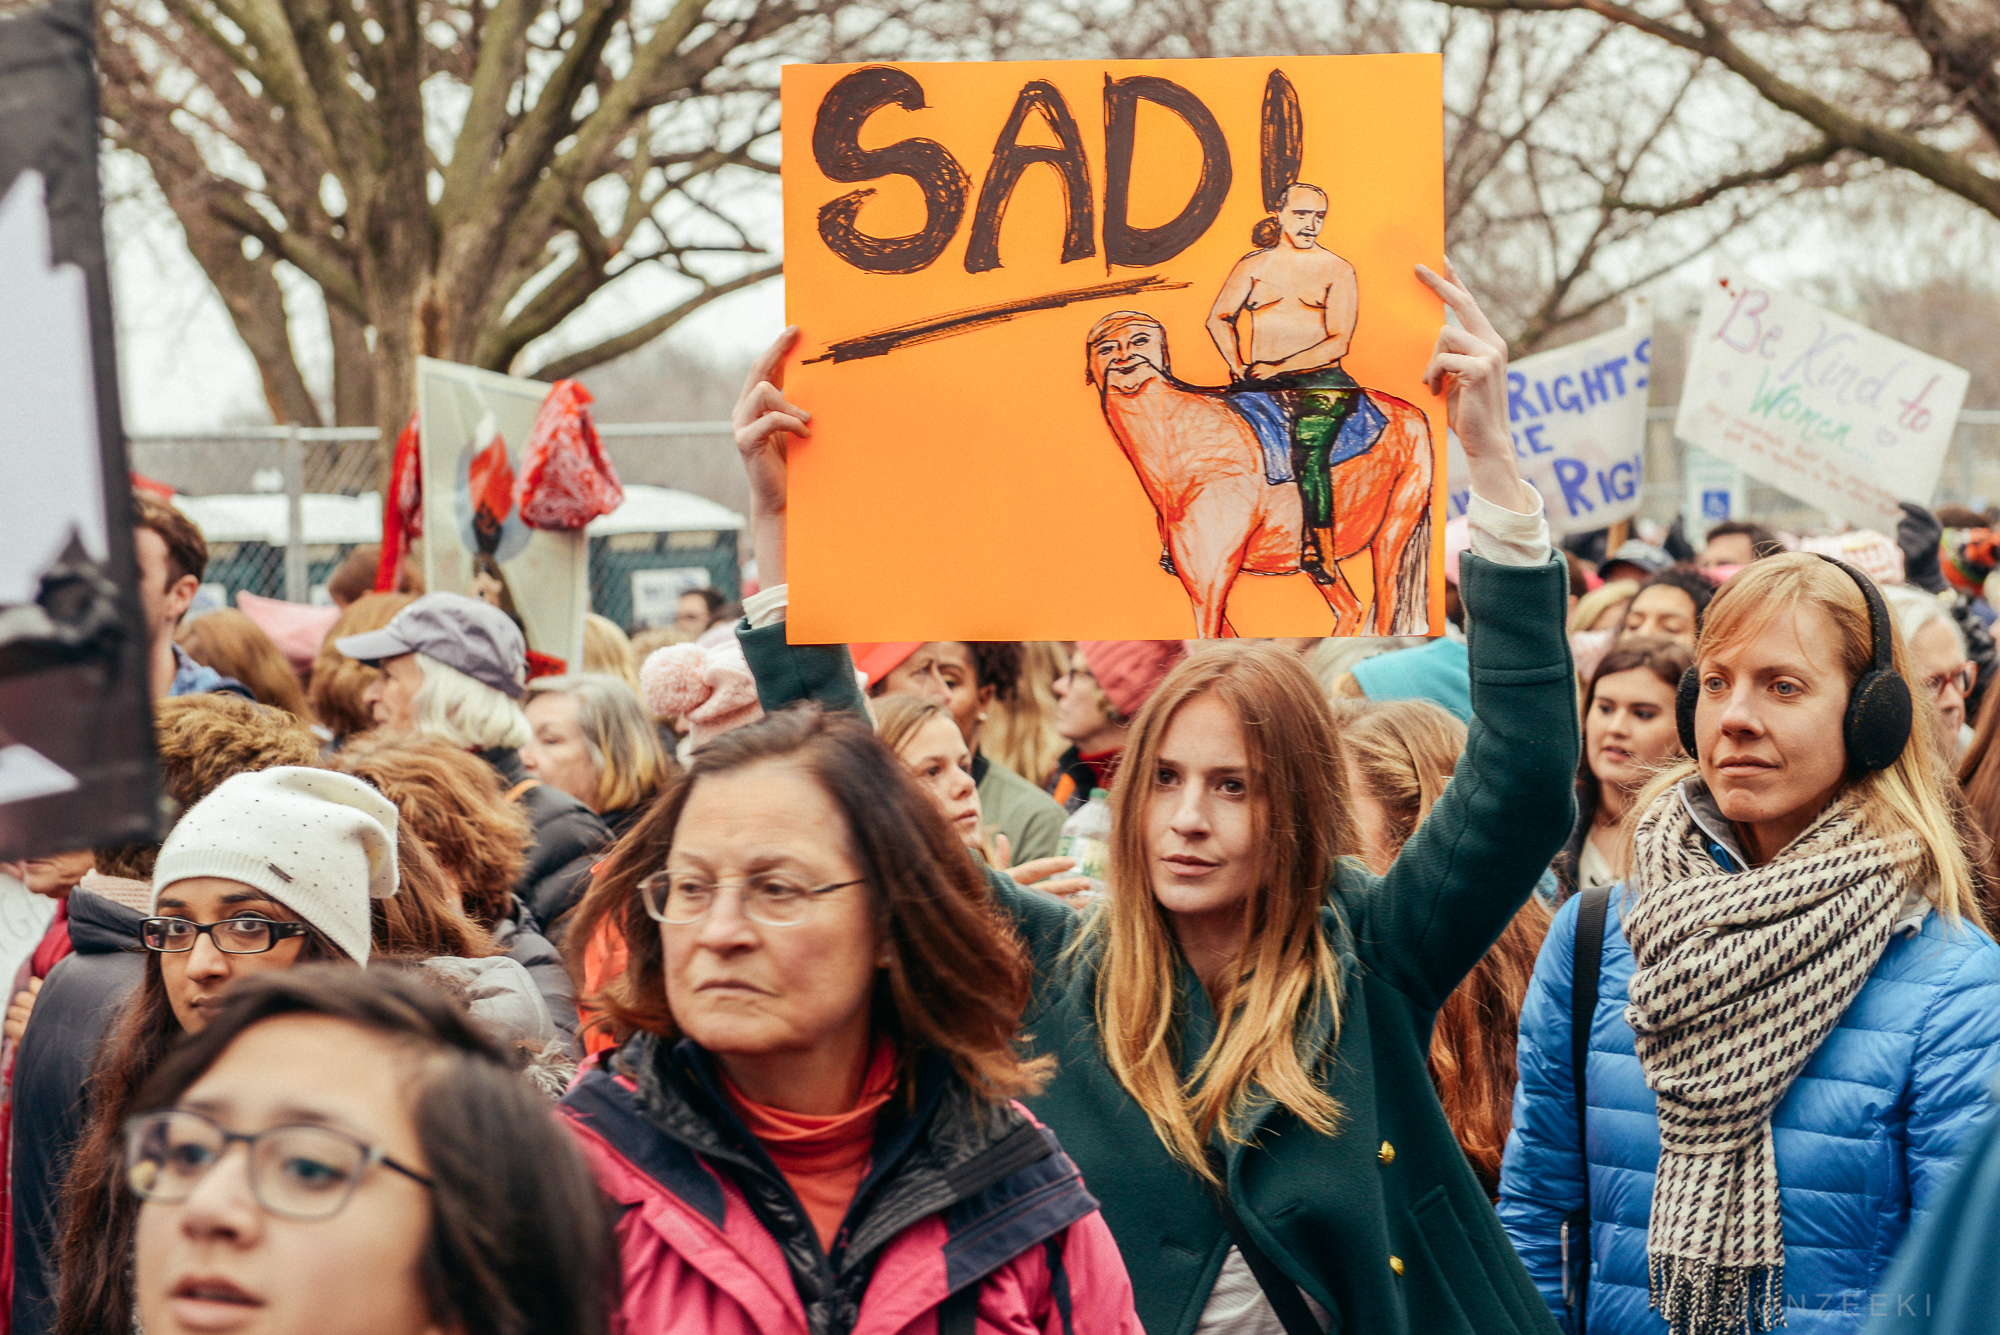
column 322, row 844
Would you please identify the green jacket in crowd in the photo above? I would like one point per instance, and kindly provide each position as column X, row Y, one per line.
column 1383, row 1223
column 1029, row 817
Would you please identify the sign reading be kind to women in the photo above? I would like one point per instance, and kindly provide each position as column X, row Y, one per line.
column 1114, row 350
column 1832, row 413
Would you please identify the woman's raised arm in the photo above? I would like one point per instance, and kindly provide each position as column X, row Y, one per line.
column 1509, row 806
column 764, row 422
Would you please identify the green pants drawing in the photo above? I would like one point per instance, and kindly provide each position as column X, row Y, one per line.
column 1320, row 400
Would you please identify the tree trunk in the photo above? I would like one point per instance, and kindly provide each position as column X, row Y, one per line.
column 353, row 369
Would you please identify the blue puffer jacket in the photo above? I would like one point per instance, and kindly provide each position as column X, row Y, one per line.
column 1864, row 1138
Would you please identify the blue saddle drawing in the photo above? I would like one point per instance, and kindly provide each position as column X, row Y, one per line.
column 1268, row 418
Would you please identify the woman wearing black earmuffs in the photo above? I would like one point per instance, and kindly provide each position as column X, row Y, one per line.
column 1797, row 1008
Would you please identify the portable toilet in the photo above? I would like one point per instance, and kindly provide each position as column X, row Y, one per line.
column 656, row 546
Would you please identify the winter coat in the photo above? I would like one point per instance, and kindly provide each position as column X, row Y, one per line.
column 1863, row 1138
column 1383, row 1224
column 73, row 1013
column 1942, row 1283
column 1008, row 803
column 567, row 838
column 962, row 1204
column 522, row 941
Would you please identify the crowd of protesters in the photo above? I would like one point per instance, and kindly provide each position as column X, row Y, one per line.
column 1617, row 960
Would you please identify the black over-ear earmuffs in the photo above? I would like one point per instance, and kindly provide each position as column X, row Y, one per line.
column 1878, row 710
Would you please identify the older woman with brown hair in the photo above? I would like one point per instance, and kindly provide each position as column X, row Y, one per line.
column 819, row 1087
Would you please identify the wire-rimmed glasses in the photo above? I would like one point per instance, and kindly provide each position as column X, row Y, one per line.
column 301, row 1172
column 681, row 898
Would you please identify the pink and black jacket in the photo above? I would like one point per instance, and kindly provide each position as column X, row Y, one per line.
column 971, row 1218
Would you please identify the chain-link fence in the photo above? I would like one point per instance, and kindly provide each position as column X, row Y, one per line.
column 282, row 507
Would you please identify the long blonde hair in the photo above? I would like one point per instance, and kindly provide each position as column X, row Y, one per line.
column 1287, row 977
column 1916, row 793
column 1404, row 753
column 1020, row 732
column 1599, row 601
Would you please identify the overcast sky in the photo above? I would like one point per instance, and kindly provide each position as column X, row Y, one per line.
column 182, row 367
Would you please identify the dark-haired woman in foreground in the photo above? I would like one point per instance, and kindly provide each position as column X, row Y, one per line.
column 812, row 1130
column 1242, row 1028
column 394, row 1176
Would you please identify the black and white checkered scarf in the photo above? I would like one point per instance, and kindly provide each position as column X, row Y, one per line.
column 1740, row 976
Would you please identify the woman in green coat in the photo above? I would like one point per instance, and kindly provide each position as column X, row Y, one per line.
column 1242, row 1028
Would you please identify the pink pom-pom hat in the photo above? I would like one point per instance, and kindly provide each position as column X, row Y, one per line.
column 711, row 689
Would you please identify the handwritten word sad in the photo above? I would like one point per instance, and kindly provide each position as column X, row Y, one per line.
column 837, row 150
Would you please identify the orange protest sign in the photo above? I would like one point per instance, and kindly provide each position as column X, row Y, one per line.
column 1115, row 350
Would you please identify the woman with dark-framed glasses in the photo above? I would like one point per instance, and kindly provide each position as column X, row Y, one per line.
column 342, row 1152
column 811, row 1128
column 275, row 868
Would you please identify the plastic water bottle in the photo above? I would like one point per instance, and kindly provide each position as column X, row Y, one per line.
column 1086, row 836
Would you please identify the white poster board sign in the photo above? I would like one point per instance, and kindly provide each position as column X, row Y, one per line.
column 474, row 426
column 1578, row 416
column 1818, row 406
column 656, row 594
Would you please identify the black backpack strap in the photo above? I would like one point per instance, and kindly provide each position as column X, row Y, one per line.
column 1591, row 912
column 1286, row 1301
column 1590, row 915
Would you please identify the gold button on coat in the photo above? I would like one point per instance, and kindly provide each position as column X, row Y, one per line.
column 1396, row 1264
column 1387, row 1154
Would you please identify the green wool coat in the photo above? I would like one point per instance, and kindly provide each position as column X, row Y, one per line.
column 1382, row 1223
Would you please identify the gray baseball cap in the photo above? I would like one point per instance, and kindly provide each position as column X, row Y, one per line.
column 476, row 638
column 1640, row 553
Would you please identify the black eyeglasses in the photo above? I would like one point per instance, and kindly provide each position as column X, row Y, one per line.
column 305, row 1173
column 232, row 936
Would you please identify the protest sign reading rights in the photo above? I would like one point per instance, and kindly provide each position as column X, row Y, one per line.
column 1579, row 421
column 1831, row 412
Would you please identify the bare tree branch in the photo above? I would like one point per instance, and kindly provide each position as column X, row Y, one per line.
column 599, row 353
column 1710, row 39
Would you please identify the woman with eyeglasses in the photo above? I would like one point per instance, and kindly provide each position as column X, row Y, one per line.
column 1243, row 1021
column 812, row 1126
column 274, row 869
column 346, row 1153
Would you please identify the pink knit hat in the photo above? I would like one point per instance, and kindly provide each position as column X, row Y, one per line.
column 1128, row 671
column 711, row 689
column 296, row 628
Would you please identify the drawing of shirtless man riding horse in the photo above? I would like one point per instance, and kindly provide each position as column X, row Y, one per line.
column 1246, row 479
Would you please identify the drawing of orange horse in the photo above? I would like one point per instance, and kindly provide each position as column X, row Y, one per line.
column 1203, row 469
